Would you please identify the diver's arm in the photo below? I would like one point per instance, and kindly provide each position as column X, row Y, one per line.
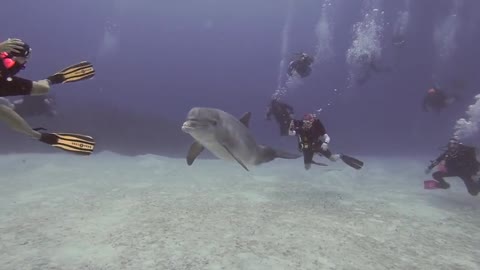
column 326, row 138
column 12, row 45
column 321, row 132
column 292, row 66
column 437, row 161
column 292, row 130
column 433, row 164
column 290, row 70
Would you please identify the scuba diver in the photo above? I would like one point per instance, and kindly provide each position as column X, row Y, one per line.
column 301, row 66
column 366, row 64
column 30, row 106
column 437, row 100
column 313, row 138
column 283, row 114
column 14, row 54
column 458, row 160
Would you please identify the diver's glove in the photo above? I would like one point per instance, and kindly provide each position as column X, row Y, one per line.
column 11, row 45
column 429, row 168
column 324, row 146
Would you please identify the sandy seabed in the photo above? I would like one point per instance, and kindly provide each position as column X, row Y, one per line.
column 107, row 211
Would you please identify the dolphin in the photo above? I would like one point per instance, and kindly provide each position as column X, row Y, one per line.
column 227, row 137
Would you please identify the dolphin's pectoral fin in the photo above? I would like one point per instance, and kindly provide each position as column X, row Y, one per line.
column 245, row 119
column 195, row 149
column 238, row 160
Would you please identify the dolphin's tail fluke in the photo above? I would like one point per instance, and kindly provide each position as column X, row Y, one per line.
column 268, row 154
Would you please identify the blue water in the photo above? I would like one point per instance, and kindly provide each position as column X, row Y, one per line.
column 161, row 59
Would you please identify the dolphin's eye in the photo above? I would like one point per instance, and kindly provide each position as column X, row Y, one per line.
column 213, row 122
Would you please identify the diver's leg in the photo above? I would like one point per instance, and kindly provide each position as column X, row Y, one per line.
column 15, row 87
column 328, row 154
column 439, row 175
column 40, row 87
column 472, row 187
column 16, row 122
column 23, row 87
column 307, row 158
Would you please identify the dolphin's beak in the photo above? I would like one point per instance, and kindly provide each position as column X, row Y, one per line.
column 187, row 126
column 191, row 124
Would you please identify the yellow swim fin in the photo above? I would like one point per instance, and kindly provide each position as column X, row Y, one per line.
column 74, row 143
column 78, row 72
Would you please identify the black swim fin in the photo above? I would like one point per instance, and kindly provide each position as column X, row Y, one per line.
column 78, row 72
column 73, row 143
column 352, row 162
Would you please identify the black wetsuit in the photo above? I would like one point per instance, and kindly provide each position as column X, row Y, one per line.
column 310, row 140
column 11, row 85
column 301, row 66
column 460, row 162
column 282, row 113
column 435, row 101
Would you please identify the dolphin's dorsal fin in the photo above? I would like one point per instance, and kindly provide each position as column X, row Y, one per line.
column 245, row 119
column 195, row 149
column 238, row 160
